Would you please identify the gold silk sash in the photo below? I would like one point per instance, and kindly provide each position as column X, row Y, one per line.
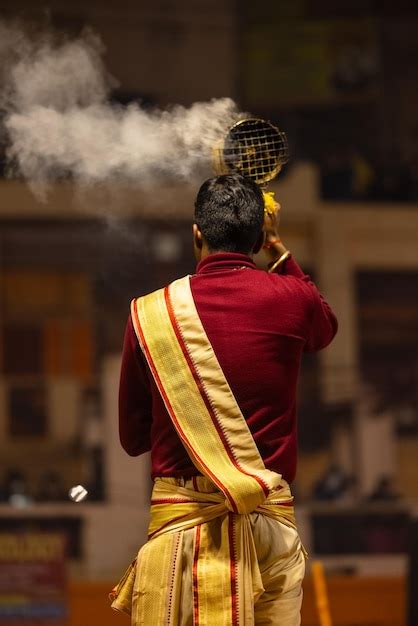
column 225, row 579
column 198, row 397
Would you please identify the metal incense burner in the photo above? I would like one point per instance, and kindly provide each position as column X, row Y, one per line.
column 253, row 147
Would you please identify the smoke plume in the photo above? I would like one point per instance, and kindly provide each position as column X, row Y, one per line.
column 59, row 122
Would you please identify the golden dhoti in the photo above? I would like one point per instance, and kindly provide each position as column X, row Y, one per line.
column 206, row 566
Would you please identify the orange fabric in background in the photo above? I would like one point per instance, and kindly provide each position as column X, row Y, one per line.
column 82, row 352
column 68, row 348
column 353, row 601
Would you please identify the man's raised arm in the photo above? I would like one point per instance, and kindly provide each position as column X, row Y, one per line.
column 323, row 324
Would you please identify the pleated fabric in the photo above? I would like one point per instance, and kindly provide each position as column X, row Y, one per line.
column 206, row 566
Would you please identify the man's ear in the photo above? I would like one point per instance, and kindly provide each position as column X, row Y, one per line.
column 197, row 237
column 259, row 243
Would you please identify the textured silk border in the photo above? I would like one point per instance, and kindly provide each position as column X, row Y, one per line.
column 222, row 558
column 198, row 397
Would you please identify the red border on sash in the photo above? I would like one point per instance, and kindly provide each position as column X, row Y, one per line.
column 171, row 410
column 233, row 571
column 175, row 500
column 204, row 395
column 195, row 578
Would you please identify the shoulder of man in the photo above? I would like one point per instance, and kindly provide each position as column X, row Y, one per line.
column 163, row 288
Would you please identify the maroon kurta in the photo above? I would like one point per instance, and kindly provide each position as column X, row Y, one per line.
column 258, row 324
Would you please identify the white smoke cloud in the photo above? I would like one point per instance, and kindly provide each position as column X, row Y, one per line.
column 60, row 123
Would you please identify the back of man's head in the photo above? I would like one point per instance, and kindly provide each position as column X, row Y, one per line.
column 229, row 212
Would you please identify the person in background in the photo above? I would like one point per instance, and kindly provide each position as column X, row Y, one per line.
column 208, row 383
column 16, row 489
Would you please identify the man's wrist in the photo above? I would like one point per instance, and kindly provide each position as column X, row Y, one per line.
column 277, row 265
column 275, row 249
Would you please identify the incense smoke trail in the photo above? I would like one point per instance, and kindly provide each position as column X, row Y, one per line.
column 59, row 122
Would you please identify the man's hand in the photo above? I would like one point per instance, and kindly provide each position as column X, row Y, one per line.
column 273, row 245
column 271, row 224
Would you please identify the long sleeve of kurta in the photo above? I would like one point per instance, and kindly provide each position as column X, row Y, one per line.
column 324, row 325
column 135, row 402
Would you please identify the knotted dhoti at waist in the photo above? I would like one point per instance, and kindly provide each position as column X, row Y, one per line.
column 204, row 565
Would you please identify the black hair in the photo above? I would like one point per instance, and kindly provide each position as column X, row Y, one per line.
column 229, row 211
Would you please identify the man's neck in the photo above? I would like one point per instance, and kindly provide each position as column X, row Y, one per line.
column 205, row 252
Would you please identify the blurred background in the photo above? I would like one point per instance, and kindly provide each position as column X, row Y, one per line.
column 341, row 79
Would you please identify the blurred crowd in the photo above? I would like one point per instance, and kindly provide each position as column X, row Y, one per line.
column 16, row 491
column 335, row 485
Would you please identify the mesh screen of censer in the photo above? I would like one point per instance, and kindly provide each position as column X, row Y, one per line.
column 253, row 147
